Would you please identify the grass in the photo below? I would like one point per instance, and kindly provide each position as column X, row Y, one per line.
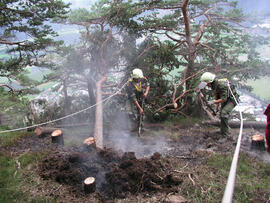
column 10, row 138
column 13, row 179
column 252, row 180
column 14, row 170
column 259, row 87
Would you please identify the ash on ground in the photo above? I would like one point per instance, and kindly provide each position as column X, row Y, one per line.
column 116, row 175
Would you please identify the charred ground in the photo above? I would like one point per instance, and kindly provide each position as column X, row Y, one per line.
column 190, row 163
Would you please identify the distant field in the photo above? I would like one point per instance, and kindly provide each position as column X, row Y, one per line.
column 36, row 73
column 261, row 87
column 264, row 51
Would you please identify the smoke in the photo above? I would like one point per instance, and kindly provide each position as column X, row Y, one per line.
column 122, row 139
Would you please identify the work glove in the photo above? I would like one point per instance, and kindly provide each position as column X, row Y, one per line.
column 211, row 102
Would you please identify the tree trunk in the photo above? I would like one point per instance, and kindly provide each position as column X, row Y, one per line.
column 92, row 99
column 42, row 131
column 191, row 55
column 89, row 143
column 89, row 185
column 57, row 137
column 98, row 132
column 257, row 142
column 67, row 101
column 236, row 124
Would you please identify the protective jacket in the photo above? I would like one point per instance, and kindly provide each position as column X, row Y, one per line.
column 223, row 90
column 135, row 90
column 267, row 127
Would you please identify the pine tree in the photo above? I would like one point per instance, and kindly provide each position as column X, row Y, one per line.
column 26, row 32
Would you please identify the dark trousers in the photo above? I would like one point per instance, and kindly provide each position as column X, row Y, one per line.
column 225, row 113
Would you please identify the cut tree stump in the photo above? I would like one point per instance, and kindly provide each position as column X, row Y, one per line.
column 42, row 131
column 57, row 137
column 89, row 185
column 257, row 142
column 89, row 143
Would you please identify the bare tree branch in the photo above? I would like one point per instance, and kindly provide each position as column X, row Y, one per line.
column 5, row 85
column 182, row 82
column 202, row 27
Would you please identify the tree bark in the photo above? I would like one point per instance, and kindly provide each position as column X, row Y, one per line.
column 89, row 185
column 98, row 132
column 236, row 124
column 257, row 142
column 57, row 137
column 42, row 131
column 92, row 99
column 67, row 101
column 191, row 54
column 89, row 141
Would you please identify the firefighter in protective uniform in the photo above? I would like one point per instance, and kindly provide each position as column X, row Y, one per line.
column 267, row 128
column 137, row 90
column 222, row 95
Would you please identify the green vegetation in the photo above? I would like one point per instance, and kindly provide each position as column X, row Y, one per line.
column 36, row 73
column 11, row 139
column 12, row 177
column 13, row 108
column 34, row 32
column 252, row 180
column 259, row 87
column 14, row 171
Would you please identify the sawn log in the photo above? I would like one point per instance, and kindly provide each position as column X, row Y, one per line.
column 236, row 124
column 41, row 131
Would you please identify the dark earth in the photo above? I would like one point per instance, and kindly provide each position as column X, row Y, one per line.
column 130, row 166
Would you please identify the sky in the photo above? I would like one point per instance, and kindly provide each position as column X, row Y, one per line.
column 249, row 5
column 80, row 3
column 255, row 5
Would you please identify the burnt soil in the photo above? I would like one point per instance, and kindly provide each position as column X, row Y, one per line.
column 122, row 174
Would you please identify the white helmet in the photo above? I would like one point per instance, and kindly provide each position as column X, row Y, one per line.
column 208, row 77
column 137, row 73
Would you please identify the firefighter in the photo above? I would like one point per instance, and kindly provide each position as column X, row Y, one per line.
column 222, row 96
column 267, row 128
column 137, row 90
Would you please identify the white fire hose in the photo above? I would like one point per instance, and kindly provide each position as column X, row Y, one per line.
column 228, row 194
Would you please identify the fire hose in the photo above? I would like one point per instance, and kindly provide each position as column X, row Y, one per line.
column 228, row 194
